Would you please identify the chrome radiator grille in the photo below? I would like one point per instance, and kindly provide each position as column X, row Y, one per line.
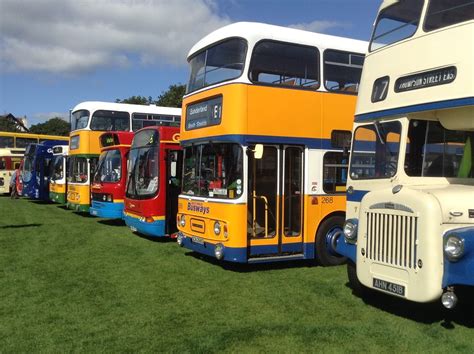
column 391, row 239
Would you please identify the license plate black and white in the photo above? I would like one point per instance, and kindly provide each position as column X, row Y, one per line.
column 389, row 287
column 198, row 240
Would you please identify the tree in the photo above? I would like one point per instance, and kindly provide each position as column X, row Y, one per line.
column 54, row 126
column 136, row 100
column 173, row 97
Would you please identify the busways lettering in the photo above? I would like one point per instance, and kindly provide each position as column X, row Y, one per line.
column 198, row 208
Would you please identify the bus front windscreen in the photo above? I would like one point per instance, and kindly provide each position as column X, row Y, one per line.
column 79, row 119
column 143, row 177
column 213, row 170
column 396, row 22
column 104, row 120
column 109, row 168
column 221, row 62
column 57, row 168
column 375, row 150
column 28, row 166
column 77, row 169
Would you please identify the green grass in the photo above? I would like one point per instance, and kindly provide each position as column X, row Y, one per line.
column 74, row 283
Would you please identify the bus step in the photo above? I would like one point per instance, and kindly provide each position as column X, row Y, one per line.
column 290, row 257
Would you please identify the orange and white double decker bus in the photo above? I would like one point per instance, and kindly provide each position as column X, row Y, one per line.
column 267, row 120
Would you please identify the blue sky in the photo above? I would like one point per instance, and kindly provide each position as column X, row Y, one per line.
column 57, row 53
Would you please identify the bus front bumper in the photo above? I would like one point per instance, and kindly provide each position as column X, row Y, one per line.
column 107, row 210
column 83, row 208
column 57, row 197
column 216, row 250
column 138, row 224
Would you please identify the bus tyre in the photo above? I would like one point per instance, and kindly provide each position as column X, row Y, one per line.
column 324, row 254
column 356, row 286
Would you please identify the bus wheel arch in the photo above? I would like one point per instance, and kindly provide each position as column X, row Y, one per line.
column 324, row 254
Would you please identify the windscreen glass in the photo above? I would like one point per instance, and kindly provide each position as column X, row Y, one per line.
column 396, row 22
column 375, row 150
column 109, row 168
column 221, row 62
column 213, row 170
column 79, row 119
column 110, row 121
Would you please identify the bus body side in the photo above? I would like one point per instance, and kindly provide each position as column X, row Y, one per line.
column 153, row 216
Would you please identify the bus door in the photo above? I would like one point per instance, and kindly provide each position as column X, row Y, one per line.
column 275, row 202
column 174, row 165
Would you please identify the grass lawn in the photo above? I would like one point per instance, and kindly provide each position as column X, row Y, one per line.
column 76, row 283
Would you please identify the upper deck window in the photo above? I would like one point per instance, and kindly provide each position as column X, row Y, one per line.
column 79, row 119
column 24, row 142
column 221, row 62
column 342, row 71
column 142, row 120
column 287, row 64
column 110, row 121
column 396, row 22
column 443, row 13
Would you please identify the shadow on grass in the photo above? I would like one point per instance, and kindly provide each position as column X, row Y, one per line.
column 112, row 222
column 254, row 267
column 427, row 313
column 41, row 202
column 84, row 214
column 63, row 206
column 19, row 226
column 155, row 239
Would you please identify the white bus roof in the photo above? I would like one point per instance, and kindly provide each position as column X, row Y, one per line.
column 254, row 32
column 138, row 108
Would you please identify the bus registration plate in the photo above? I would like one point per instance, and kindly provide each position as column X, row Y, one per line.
column 389, row 287
column 198, row 240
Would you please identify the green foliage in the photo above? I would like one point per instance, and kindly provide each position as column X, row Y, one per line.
column 173, row 97
column 54, row 126
column 72, row 283
column 7, row 125
column 136, row 100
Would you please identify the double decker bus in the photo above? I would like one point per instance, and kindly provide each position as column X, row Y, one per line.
column 410, row 216
column 108, row 184
column 36, row 169
column 88, row 121
column 153, row 185
column 267, row 120
column 57, row 174
column 12, row 149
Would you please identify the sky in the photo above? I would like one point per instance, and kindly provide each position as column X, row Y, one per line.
column 55, row 54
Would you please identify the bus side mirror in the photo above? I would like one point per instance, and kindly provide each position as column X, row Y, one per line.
column 258, row 151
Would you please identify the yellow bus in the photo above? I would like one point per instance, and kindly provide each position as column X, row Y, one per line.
column 410, row 216
column 267, row 120
column 57, row 174
column 12, row 149
column 88, row 121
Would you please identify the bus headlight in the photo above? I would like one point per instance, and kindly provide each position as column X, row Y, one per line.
column 182, row 221
column 350, row 230
column 453, row 247
column 219, row 251
column 180, row 239
column 217, row 228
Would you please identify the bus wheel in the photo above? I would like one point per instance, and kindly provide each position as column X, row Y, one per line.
column 356, row 286
column 325, row 255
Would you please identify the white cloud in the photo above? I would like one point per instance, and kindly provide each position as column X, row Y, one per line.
column 319, row 26
column 73, row 36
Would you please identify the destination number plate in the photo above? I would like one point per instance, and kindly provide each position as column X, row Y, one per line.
column 389, row 287
column 198, row 240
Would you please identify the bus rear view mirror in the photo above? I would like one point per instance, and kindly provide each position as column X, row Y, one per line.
column 258, row 151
